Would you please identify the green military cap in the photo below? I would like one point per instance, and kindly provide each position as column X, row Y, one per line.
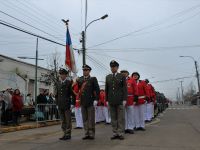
column 86, row 67
column 113, row 63
column 63, row 71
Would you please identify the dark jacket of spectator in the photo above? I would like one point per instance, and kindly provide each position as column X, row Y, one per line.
column 41, row 99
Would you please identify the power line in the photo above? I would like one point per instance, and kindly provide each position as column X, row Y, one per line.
column 98, row 66
column 28, row 24
column 149, row 26
column 28, row 14
column 139, row 63
column 168, row 80
column 27, row 32
column 39, row 11
column 98, row 62
column 139, row 49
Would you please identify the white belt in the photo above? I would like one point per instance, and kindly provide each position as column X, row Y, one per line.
column 141, row 97
column 130, row 94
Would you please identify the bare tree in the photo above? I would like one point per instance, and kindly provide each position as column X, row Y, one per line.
column 54, row 62
column 190, row 92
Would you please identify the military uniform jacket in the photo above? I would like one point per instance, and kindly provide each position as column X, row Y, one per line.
column 89, row 91
column 143, row 93
column 116, row 89
column 64, row 94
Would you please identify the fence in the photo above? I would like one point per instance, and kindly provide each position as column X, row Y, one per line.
column 46, row 112
column 0, row 116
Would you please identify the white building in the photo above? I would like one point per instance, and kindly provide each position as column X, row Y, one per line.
column 19, row 74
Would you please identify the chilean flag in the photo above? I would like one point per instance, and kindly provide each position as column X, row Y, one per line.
column 69, row 60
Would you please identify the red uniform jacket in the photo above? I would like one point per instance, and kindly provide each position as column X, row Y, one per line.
column 102, row 99
column 76, row 91
column 131, row 90
column 143, row 93
column 152, row 93
column 17, row 103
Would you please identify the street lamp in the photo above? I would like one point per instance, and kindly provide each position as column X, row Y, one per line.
column 84, row 36
column 197, row 73
column 101, row 18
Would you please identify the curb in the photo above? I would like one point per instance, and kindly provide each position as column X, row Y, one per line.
column 25, row 127
column 155, row 121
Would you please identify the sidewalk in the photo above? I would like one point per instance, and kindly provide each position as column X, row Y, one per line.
column 27, row 125
column 32, row 125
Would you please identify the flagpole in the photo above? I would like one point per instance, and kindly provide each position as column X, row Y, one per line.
column 67, row 28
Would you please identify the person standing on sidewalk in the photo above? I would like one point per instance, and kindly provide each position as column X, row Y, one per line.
column 64, row 103
column 41, row 104
column 17, row 103
column 116, row 96
column 89, row 95
column 7, row 113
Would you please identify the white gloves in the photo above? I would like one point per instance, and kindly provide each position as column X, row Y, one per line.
column 107, row 103
column 72, row 107
column 95, row 103
column 124, row 103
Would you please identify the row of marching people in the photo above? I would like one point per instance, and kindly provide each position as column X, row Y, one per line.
column 139, row 107
column 126, row 102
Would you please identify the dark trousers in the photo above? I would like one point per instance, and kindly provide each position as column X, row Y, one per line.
column 16, row 117
column 6, row 116
column 88, row 114
column 117, row 119
column 66, row 126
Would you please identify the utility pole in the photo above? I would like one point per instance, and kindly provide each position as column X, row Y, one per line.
column 182, row 98
column 178, row 95
column 197, row 75
column 83, row 34
column 83, row 47
column 36, row 70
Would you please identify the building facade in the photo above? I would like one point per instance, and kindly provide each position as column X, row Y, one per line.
column 18, row 74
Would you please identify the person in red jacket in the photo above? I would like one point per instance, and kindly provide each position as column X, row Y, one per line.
column 17, row 105
column 143, row 96
column 78, row 114
column 99, row 114
column 102, row 102
column 150, row 102
column 129, row 109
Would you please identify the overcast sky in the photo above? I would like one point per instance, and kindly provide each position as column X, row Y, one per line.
column 154, row 34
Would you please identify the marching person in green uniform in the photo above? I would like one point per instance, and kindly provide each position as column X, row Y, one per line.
column 64, row 103
column 116, row 96
column 89, row 95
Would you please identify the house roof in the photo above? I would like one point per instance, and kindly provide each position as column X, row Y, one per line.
column 13, row 59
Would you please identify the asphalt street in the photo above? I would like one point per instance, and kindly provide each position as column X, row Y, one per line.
column 178, row 128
